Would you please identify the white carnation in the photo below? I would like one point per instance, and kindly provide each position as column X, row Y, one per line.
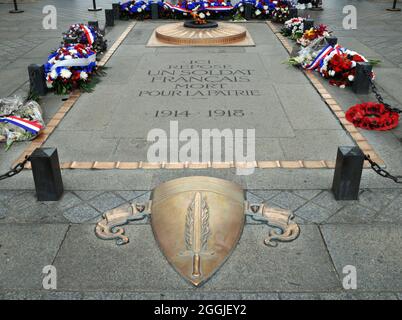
column 66, row 74
column 202, row 15
column 53, row 74
column 83, row 75
column 351, row 78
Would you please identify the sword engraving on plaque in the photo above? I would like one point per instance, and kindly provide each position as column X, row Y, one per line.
column 197, row 230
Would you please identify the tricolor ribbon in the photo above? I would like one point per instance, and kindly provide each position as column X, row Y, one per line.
column 88, row 34
column 32, row 126
column 173, row 7
column 218, row 8
column 79, row 62
column 321, row 56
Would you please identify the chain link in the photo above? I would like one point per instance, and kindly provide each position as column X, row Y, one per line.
column 16, row 170
column 378, row 96
column 382, row 172
column 375, row 166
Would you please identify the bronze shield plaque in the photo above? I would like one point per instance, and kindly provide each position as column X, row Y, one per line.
column 197, row 222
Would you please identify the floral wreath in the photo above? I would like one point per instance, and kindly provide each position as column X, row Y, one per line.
column 340, row 66
column 372, row 116
column 308, row 36
column 294, row 28
column 70, row 67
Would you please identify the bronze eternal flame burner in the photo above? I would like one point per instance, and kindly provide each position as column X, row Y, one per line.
column 192, row 34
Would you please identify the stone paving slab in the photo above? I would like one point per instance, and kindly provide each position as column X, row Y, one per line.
column 85, row 262
column 311, row 206
column 25, row 250
column 185, row 295
column 373, row 249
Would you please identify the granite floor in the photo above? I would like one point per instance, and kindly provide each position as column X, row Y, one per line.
column 111, row 124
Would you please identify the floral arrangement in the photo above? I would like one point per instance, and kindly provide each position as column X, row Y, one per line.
column 19, row 121
column 340, row 66
column 281, row 12
column 216, row 9
column 71, row 67
column 86, row 35
column 211, row 8
column 262, row 9
column 294, row 28
column 314, row 33
column 304, row 4
column 310, row 57
column 136, row 9
column 372, row 116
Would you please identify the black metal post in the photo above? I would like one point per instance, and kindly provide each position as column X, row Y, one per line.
column 361, row 83
column 109, row 17
column 16, row 10
column 248, row 9
column 47, row 174
column 394, row 8
column 154, row 11
column 116, row 10
column 293, row 13
column 317, row 5
column 37, row 79
column 94, row 7
column 332, row 41
column 348, row 173
column 308, row 24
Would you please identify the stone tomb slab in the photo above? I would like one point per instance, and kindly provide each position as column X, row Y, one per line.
column 200, row 90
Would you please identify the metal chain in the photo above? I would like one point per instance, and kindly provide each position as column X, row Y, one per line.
column 378, row 96
column 16, row 170
column 375, row 166
column 382, row 172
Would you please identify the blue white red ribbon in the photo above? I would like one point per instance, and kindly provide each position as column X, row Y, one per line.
column 31, row 126
column 321, row 56
column 88, row 34
column 219, row 8
column 77, row 62
column 178, row 8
